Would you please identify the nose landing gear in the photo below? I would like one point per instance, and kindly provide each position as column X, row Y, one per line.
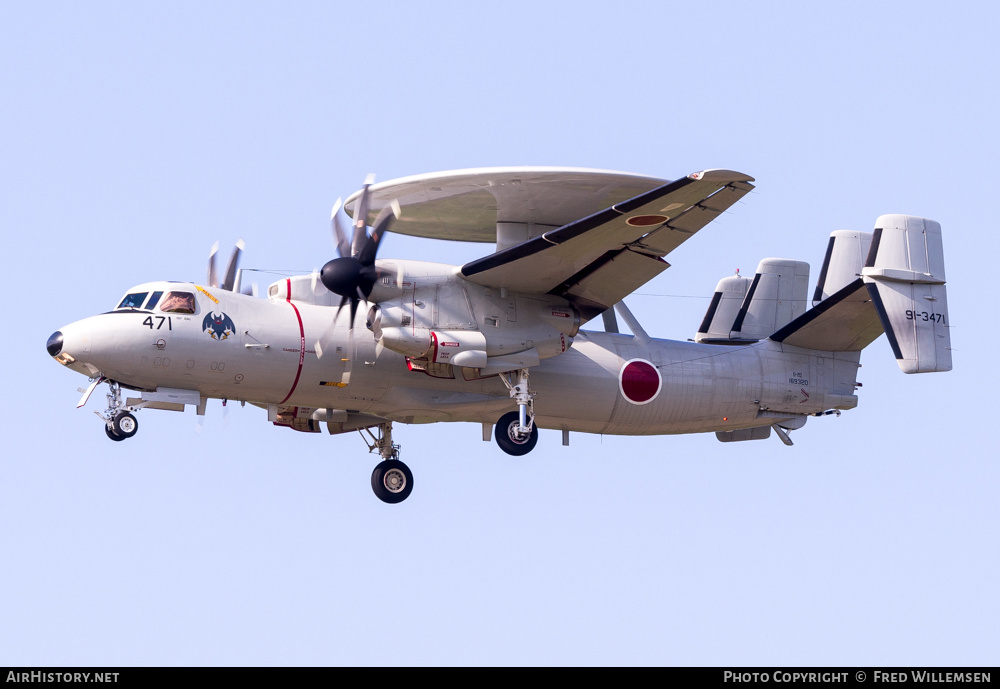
column 119, row 423
column 125, row 425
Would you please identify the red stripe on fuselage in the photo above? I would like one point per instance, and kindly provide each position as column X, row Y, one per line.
column 302, row 340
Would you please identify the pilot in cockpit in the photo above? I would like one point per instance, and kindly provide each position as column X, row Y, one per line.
column 133, row 300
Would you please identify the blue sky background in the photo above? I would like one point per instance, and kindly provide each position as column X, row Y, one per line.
column 134, row 135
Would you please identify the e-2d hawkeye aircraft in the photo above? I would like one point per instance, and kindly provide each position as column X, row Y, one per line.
column 498, row 341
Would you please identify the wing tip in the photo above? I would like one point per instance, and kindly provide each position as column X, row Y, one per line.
column 720, row 175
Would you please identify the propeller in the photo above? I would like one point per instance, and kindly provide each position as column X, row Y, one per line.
column 233, row 280
column 230, row 279
column 353, row 274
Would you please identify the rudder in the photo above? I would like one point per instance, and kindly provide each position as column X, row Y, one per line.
column 904, row 274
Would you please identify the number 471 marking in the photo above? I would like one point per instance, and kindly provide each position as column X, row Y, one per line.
column 157, row 326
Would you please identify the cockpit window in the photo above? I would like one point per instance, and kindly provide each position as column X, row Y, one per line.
column 178, row 302
column 133, row 301
column 153, row 299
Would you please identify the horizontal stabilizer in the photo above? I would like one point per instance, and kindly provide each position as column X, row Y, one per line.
column 844, row 322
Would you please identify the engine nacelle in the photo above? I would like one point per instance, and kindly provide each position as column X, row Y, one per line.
column 465, row 348
column 297, row 423
column 413, row 342
column 466, row 325
column 309, row 420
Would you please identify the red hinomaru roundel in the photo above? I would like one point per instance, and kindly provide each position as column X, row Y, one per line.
column 639, row 381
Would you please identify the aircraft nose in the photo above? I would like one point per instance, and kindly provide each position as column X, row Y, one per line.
column 70, row 345
column 55, row 343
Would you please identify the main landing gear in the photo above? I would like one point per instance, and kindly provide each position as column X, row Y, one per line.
column 516, row 433
column 511, row 439
column 392, row 480
column 119, row 423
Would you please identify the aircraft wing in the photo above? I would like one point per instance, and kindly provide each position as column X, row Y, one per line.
column 596, row 261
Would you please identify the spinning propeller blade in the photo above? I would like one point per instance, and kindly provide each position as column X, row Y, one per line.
column 353, row 274
column 232, row 268
column 381, row 226
column 324, row 349
column 361, row 217
column 234, row 262
column 339, row 238
column 212, row 281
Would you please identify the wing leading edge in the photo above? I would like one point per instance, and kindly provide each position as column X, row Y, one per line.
column 598, row 260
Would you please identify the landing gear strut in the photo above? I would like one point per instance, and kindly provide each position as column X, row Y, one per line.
column 119, row 423
column 392, row 480
column 516, row 433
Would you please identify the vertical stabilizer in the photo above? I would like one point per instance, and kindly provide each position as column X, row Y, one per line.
column 904, row 274
column 777, row 296
column 745, row 310
column 723, row 309
column 845, row 257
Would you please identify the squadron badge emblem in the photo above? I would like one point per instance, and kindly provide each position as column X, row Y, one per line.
column 218, row 325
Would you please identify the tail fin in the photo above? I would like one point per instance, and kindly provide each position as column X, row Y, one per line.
column 900, row 291
column 904, row 274
column 845, row 257
column 746, row 311
column 717, row 327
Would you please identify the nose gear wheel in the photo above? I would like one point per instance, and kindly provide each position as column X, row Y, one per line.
column 119, row 423
column 125, row 425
